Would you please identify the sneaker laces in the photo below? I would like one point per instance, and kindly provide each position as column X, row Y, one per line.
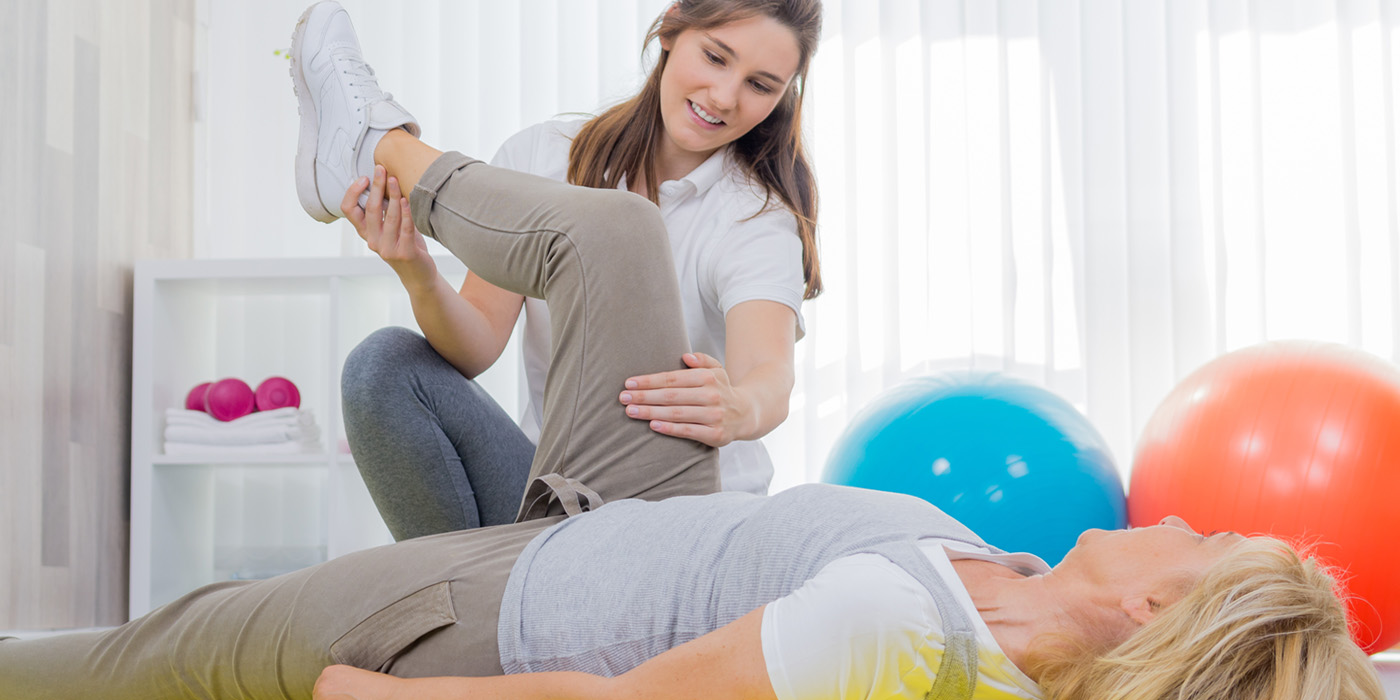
column 361, row 78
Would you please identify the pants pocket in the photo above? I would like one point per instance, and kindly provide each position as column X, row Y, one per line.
column 376, row 641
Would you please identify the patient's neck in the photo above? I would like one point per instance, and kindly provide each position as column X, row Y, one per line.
column 1013, row 606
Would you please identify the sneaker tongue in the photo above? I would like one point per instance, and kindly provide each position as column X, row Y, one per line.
column 387, row 114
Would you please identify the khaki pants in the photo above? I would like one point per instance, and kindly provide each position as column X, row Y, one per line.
column 430, row 606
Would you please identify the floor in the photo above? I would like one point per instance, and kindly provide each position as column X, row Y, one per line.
column 1388, row 663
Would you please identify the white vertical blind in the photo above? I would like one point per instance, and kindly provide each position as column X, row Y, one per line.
column 1095, row 195
column 473, row 72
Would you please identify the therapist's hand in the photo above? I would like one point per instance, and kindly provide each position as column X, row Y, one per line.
column 387, row 227
column 699, row 403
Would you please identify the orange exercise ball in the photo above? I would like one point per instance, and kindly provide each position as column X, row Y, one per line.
column 1300, row 440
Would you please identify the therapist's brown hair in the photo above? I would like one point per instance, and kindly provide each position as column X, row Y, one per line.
column 622, row 141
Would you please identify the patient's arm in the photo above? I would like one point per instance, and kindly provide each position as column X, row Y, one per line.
column 726, row 664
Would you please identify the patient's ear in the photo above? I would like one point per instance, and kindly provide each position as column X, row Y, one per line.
column 1142, row 608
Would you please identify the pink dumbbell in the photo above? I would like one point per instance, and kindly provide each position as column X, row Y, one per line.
column 194, row 401
column 277, row 392
column 228, row 399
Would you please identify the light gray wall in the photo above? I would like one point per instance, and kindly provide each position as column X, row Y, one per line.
column 1390, row 677
column 95, row 171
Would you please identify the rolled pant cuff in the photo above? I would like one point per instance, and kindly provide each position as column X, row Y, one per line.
column 426, row 191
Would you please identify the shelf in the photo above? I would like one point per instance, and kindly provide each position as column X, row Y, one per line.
column 320, row 459
column 226, row 271
column 198, row 519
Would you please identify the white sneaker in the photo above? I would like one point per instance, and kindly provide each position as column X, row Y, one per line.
column 339, row 101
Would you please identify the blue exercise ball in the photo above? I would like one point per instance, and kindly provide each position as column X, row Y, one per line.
column 1017, row 464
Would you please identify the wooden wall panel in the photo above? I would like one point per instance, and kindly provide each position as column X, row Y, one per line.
column 95, row 172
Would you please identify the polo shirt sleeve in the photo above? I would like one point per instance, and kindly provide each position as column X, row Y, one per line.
column 541, row 149
column 760, row 259
column 861, row 628
column 518, row 152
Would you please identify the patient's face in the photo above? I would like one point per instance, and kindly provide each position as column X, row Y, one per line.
column 1146, row 557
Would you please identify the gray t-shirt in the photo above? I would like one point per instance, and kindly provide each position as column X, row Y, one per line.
column 607, row 590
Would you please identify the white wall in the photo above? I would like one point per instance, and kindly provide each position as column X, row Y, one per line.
column 513, row 64
column 94, row 174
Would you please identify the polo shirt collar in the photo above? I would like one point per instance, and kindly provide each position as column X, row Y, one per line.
column 698, row 181
column 708, row 173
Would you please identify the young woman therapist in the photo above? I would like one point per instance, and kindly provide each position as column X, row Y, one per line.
column 714, row 140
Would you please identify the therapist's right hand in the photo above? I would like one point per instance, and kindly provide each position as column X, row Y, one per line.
column 386, row 226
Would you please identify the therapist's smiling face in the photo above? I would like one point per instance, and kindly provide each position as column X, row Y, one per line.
column 721, row 82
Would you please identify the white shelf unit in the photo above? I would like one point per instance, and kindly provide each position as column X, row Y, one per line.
column 198, row 520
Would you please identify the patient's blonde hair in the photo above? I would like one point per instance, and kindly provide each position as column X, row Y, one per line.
column 1264, row 623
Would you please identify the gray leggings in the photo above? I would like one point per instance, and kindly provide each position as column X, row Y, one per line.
column 436, row 451
column 430, row 606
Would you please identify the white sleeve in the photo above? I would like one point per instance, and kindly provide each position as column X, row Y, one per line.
column 859, row 629
column 516, row 151
column 541, row 149
column 760, row 258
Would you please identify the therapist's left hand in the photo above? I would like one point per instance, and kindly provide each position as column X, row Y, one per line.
column 699, row 403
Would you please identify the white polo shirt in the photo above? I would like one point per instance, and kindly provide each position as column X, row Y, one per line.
column 724, row 256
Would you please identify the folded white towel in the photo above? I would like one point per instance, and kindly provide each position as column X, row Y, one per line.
column 281, row 416
column 289, row 430
column 242, row 435
column 284, row 448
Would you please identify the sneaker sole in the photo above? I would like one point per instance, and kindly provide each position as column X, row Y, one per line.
column 307, row 191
